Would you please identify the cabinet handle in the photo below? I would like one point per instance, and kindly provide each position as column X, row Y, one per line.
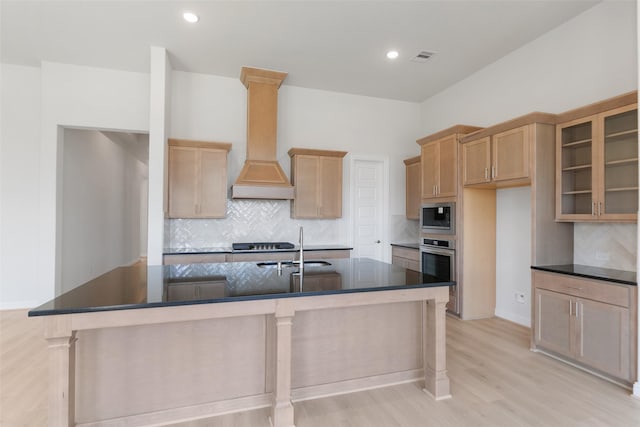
column 433, row 190
column 577, row 309
column 570, row 308
column 437, row 190
column 593, row 209
column 599, row 208
column 486, row 174
column 574, row 288
column 493, row 172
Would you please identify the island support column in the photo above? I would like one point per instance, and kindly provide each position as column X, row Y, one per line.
column 436, row 380
column 282, row 410
column 62, row 365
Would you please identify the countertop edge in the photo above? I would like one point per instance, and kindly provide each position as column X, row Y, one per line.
column 407, row 245
column 396, row 287
column 551, row 269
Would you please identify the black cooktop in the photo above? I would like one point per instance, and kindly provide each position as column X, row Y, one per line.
column 261, row 246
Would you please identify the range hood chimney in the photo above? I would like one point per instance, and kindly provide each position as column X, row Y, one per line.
column 262, row 177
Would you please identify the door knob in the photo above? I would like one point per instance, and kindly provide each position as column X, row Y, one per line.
column 377, row 241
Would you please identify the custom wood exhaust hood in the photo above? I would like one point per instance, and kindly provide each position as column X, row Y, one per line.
column 262, row 177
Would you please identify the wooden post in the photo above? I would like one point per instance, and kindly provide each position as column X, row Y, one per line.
column 62, row 363
column 436, row 380
column 282, row 410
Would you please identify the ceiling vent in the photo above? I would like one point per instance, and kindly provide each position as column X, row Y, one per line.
column 423, row 56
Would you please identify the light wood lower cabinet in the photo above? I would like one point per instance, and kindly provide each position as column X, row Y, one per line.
column 588, row 322
column 405, row 258
column 189, row 291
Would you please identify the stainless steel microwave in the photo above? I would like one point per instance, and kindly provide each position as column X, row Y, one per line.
column 438, row 218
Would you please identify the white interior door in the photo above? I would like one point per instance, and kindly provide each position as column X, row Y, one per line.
column 368, row 201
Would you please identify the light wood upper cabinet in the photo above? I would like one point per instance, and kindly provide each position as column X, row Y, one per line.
column 317, row 177
column 440, row 168
column 503, row 156
column 439, row 162
column 476, row 161
column 413, row 187
column 597, row 165
column 430, row 161
column 510, row 154
column 197, row 179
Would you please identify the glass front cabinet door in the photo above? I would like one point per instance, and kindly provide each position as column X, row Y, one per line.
column 597, row 167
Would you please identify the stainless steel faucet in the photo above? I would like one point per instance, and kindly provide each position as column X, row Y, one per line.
column 301, row 249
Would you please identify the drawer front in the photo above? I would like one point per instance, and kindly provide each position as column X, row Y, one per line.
column 410, row 254
column 400, row 262
column 595, row 290
column 406, row 263
column 193, row 258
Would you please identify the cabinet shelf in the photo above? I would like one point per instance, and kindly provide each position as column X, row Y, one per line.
column 608, row 142
column 618, row 189
column 575, row 168
column 576, row 143
column 621, row 134
column 622, row 162
column 568, row 193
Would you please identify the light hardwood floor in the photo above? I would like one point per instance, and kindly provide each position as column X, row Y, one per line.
column 495, row 381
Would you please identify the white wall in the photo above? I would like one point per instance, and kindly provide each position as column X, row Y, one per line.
column 213, row 108
column 159, row 124
column 36, row 104
column 19, row 186
column 513, row 242
column 101, row 191
column 589, row 58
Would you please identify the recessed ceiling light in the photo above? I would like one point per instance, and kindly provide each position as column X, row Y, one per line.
column 190, row 17
column 392, row 54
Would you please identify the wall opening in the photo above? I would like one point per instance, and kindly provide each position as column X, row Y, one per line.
column 103, row 190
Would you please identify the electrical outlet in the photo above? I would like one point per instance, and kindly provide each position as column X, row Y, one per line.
column 602, row 256
column 520, row 298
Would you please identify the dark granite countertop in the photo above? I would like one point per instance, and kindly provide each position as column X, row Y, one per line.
column 598, row 273
column 407, row 245
column 186, row 284
column 229, row 250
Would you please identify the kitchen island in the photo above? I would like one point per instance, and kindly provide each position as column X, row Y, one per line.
column 153, row 345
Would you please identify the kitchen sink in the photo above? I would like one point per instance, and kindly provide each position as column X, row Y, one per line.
column 287, row 264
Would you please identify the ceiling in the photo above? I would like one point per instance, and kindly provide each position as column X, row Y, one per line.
column 329, row 45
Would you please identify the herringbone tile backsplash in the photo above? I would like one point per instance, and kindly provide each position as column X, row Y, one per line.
column 253, row 221
column 606, row 245
column 270, row 221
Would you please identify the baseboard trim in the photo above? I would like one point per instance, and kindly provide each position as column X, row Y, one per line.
column 520, row 320
column 187, row 413
column 354, row 385
column 593, row 372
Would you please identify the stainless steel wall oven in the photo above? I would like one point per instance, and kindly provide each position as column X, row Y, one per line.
column 438, row 259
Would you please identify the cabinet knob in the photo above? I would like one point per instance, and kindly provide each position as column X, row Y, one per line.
column 377, row 241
